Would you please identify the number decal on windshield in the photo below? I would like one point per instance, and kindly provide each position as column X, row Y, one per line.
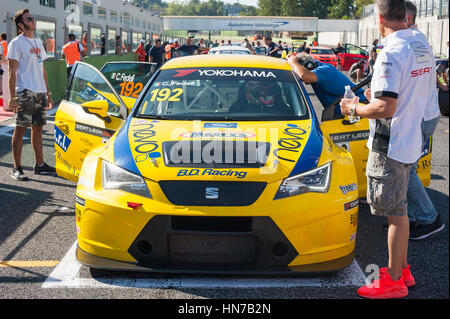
column 131, row 89
column 166, row 94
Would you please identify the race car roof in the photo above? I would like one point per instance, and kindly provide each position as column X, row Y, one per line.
column 212, row 60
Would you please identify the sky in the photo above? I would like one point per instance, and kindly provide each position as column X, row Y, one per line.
column 246, row 2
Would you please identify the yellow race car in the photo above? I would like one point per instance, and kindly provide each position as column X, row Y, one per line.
column 212, row 163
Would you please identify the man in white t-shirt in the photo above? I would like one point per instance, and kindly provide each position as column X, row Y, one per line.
column 422, row 214
column 30, row 94
column 402, row 86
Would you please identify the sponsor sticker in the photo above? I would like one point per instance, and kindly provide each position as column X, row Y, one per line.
column 61, row 139
column 211, row 172
column 217, row 134
column 351, row 204
column 354, row 219
column 350, row 136
column 93, row 130
column 348, row 188
column 80, row 201
column 220, row 125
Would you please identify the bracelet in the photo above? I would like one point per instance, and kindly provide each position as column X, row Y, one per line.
column 49, row 93
column 14, row 98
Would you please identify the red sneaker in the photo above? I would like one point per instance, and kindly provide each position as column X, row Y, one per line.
column 407, row 276
column 384, row 288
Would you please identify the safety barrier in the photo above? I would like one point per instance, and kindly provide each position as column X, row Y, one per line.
column 57, row 71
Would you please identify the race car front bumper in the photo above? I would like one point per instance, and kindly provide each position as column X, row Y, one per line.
column 192, row 244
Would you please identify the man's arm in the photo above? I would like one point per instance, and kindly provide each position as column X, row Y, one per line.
column 305, row 75
column 379, row 108
column 13, row 65
column 49, row 94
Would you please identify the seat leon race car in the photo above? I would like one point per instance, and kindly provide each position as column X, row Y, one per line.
column 219, row 165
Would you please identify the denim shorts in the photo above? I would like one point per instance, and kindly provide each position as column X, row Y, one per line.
column 32, row 108
column 387, row 185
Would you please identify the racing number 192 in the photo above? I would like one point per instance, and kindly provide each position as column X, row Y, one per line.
column 131, row 89
column 166, row 94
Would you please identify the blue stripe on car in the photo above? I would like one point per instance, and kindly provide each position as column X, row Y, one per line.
column 123, row 156
column 311, row 153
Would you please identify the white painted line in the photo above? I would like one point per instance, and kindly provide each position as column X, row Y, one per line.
column 66, row 275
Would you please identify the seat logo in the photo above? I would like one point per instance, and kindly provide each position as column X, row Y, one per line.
column 211, row 192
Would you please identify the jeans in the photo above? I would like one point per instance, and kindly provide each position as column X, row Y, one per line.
column 420, row 208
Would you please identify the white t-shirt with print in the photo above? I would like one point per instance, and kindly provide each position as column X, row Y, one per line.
column 405, row 70
column 30, row 54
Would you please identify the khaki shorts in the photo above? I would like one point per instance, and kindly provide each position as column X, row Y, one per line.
column 32, row 109
column 387, row 185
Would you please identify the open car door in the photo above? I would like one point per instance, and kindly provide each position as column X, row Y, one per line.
column 353, row 138
column 95, row 105
column 89, row 114
column 351, row 55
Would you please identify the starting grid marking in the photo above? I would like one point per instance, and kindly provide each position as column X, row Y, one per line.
column 67, row 275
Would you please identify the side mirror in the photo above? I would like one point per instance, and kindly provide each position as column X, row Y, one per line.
column 99, row 108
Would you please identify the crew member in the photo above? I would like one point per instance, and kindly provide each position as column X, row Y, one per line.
column 395, row 113
column 327, row 82
column 72, row 52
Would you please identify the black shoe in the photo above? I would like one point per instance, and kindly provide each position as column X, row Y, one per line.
column 423, row 231
column 44, row 169
column 17, row 174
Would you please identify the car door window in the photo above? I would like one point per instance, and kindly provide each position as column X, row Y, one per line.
column 353, row 49
column 89, row 85
column 128, row 78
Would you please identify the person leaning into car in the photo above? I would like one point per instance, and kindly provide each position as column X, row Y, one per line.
column 395, row 114
column 327, row 82
column 30, row 94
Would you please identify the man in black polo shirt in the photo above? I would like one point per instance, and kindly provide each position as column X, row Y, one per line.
column 272, row 48
column 155, row 54
column 189, row 48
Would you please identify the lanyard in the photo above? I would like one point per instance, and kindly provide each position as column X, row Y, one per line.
column 35, row 49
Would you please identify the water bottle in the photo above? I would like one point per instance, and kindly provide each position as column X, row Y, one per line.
column 349, row 94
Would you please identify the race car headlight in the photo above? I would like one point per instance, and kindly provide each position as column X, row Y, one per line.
column 114, row 177
column 315, row 180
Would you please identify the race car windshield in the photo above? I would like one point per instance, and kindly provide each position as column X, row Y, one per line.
column 224, row 94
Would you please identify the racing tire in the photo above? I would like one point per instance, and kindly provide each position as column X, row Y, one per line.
column 443, row 102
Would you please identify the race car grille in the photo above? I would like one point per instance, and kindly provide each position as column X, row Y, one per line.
column 213, row 244
column 212, row 193
column 220, row 153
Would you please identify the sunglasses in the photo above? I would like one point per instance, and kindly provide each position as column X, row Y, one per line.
column 30, row 19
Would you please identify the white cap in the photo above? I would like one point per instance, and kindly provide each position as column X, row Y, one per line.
column 170, row 41
column 142, row 40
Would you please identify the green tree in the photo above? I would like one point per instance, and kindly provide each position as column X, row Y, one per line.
column 360, row 4
column 314, row 8
column 269, row 7
column 290, row 8
column 341, row 9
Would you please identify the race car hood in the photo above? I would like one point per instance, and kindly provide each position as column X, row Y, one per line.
column 226, row 151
